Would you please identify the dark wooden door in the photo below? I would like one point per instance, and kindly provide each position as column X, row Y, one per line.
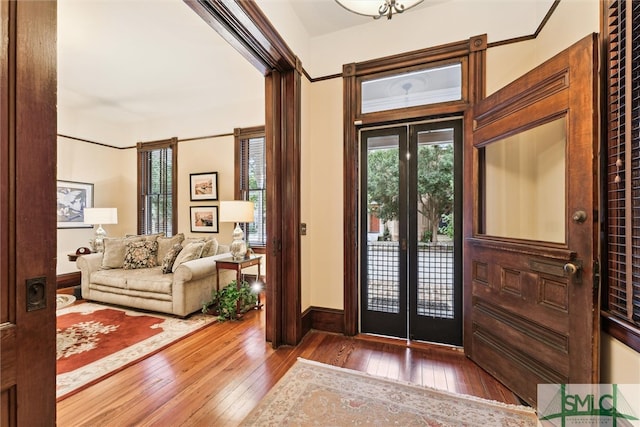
column 27, row 213
column 530, row 310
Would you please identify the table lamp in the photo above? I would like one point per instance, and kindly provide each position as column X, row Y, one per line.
column 237, row 211
column 99, row 216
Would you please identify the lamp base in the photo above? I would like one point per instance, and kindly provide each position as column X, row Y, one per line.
column 97, row 244
column 238, row 246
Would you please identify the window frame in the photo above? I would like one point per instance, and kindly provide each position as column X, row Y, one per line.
column 146, row 147
column 241, row 135
column 620, row 110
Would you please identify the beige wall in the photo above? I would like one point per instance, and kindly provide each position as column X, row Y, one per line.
column 306, row 197
column 113, row 175
column 325, row 205
column 205, row 155
column 619, row 364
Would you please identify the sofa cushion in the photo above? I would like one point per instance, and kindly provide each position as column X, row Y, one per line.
column 115, row 278
column 115, row 249
column 170, row 258
column 142, row 254
column 189, row 252
column 149, row 280
column 167, row 243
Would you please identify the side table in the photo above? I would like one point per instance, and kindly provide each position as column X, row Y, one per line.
column 238, row 266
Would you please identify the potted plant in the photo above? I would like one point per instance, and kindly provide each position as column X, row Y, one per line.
column 230, row 301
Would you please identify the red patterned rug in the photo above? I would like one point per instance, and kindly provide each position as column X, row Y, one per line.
column 95, row 341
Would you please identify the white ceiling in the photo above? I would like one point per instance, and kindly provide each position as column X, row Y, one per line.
column 130, row 61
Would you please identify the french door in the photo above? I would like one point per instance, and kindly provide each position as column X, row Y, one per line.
column 409, row 214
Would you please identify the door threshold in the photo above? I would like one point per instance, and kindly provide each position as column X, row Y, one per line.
column 404, row 342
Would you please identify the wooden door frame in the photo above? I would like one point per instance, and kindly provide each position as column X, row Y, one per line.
column 245, row 27
column 474, row 51
column 28, row 226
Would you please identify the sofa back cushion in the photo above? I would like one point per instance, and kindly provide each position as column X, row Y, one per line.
column 189, row 252
column 210, row 248
column 167, row 243
column 115, row 249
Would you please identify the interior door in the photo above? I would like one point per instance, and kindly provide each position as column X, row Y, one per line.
column 27, row 213
column 530, row 307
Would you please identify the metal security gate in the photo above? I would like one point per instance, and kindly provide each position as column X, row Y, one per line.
column 410, row 281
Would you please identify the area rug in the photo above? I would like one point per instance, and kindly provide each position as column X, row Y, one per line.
column 312, row 393
column 95, row 341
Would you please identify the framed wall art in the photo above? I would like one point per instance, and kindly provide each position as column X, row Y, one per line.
column 204, row 186
column 71, row 199
column 204, row 219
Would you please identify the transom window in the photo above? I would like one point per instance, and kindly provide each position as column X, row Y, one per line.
column 427, row 86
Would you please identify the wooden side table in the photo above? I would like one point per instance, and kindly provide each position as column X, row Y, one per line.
column 238, row 266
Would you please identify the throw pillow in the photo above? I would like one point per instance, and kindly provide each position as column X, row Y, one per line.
column 210, row 248
column 114, row 251
column 170, row 258
column 141, row 254
column 189, row 252
column 166, row 243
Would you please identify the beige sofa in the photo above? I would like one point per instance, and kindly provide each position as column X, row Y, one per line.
column 180, row 291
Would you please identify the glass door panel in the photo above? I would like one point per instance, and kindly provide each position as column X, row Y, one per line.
column 524, row 189
column 383, row 271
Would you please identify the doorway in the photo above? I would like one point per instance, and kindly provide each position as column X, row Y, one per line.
column 410, row 280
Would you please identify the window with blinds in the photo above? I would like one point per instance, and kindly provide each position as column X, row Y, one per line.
column 157, row 163
column 251, row 180
column 621, row 297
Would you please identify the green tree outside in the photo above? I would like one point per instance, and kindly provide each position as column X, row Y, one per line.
column 435, row 184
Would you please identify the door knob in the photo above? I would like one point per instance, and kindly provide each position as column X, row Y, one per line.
column 571, row 269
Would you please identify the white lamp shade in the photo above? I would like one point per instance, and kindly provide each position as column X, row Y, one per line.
column 236, row 211
column 100, row 216
column 372, row 7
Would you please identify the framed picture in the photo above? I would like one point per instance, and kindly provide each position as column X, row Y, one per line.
column 204, row 186
column 204, row 219
column 72, row 198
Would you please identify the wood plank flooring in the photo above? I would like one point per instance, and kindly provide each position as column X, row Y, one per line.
column 218, row 375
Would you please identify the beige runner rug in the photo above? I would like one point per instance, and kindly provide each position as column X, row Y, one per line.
column 312, row 393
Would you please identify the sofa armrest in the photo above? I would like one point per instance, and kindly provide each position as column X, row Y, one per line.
column 195, row 269
column 89, row 263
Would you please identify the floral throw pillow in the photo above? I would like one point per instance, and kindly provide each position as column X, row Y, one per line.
column 140, row 254
column 170, row 258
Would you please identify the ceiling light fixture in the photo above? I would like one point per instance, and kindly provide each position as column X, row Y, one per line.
column 376, row 10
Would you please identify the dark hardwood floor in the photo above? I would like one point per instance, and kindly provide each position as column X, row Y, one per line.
column 216, row 376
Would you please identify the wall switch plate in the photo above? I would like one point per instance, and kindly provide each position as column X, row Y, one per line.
column 303, row 229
